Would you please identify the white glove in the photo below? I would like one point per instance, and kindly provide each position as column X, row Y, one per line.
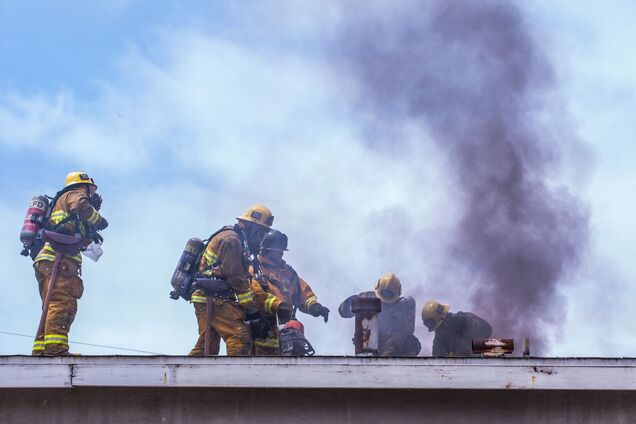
column 93, row 251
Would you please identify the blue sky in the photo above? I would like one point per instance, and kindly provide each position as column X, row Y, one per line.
column 185, row 115
column 49, row 46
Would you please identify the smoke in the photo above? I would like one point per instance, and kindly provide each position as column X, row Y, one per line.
column 472, row 75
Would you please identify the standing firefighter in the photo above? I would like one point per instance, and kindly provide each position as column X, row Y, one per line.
column 279, row 279
column 454, row 333
column 73, row 212
column 226, row 260
column 396, row 322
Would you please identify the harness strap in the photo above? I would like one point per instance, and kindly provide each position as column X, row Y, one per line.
column 243, row 240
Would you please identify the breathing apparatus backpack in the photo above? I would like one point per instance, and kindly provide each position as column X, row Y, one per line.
column 183, row 276
column 37, row 218
column 185, row 273
column 38, row 213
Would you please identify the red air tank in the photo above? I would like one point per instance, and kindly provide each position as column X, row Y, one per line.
column 34, row 219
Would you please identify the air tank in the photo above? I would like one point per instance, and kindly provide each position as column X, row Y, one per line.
column 186, row 269
column 34, row 220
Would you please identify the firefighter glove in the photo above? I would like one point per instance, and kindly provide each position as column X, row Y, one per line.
column 317, row 310
column 283, row 313
column 259, row 326
column 102, row 225
column 96, row 201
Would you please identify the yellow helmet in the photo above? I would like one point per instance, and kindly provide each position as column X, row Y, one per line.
column 433, row 313
column 258, row 214
column 388, row 289
column 78, row 177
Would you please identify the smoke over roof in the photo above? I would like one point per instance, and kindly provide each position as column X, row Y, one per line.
column 473, row 76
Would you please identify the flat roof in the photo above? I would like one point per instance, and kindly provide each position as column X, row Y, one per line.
column 319, row 372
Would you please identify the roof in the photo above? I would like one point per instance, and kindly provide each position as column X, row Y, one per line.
column 319, row 372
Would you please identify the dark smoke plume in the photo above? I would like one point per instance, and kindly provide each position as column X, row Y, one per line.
column 472, row 74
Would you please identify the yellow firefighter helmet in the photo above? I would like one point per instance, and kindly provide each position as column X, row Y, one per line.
column 433, row 313
column 78, row 177
column 258, row 214
column 388, row 289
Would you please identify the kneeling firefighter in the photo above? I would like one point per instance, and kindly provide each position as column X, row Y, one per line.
column 222, row 279
column 54, row 234
column 396, row 321
column 279, row 279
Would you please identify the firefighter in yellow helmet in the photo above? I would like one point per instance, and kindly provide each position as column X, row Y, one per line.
column 396, row 322
column 454, row 332
column 280, row 280
column 227, row 257
column 74, row 210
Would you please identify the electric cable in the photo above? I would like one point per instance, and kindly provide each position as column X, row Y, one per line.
column 86, row 344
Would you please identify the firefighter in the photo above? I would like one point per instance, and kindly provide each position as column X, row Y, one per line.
column 396, row 322
column 454, row 332
column 227, row 258
column 275, row 310
column 279, row 279
column 74, row 211
column 265, row 302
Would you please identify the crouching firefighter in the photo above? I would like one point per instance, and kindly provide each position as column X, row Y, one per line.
column 266, row 303
column 454, row 332
column 220, row 291
column 396, row 321
column 54, row 234
column 279, row 279
column 274, row 310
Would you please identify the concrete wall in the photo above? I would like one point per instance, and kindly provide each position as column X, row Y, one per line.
column 280, row 406
column 122, row 390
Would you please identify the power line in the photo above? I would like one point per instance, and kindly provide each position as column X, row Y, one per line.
column 85, row 344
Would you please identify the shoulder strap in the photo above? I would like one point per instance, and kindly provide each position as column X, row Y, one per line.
column 49, row 212
column 209, row 239
column 262, row 280
column 249, row 258
column 240, row 236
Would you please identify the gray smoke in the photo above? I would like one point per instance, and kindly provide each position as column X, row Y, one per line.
column 472, row 74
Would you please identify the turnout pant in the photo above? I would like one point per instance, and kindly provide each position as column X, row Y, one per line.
column 62, row 307
column 215, row 339
column 269, row 345
column 228, row 323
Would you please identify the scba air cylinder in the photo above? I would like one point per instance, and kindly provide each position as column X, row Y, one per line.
column 186, row 268
column 34, row 220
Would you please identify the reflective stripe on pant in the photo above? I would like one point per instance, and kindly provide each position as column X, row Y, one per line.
column 228, row 323
column 57, row 342
column 62, row 308
column 268, row 346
